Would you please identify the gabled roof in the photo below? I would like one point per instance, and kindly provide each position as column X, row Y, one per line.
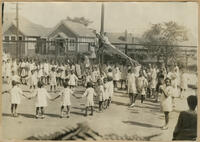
column 61, row 35
column 27, row 27
column 78, row 29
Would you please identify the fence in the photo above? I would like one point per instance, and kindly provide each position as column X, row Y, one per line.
column 58, row 48
column 22, row 48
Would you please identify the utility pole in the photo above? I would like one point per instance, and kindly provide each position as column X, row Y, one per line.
column 17, row 31
column 102, row 19
column 2, row 12
column 102, row 34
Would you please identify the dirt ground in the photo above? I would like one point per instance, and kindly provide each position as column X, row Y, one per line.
column 143, row 120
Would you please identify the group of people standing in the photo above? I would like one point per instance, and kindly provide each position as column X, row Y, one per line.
column 159, row 83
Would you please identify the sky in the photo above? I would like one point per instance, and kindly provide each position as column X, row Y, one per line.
column 135, row 17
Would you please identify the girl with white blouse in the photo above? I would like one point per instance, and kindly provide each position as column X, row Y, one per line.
column 166, row 91
column 65, row 101
column 41, row 95
column 15, row 94
column 89, row 94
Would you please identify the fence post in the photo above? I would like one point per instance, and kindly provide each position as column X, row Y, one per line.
column 89, row 46
column 126, row 48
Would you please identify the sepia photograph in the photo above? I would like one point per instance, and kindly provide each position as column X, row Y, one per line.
column 99, row 71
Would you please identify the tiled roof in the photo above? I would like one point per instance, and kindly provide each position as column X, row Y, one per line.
column 27, row 27
column 78, row 29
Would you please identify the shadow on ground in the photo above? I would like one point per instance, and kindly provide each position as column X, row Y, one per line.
column 141, row 124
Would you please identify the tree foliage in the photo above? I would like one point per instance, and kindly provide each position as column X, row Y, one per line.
column 165, row 35
column 81, row 20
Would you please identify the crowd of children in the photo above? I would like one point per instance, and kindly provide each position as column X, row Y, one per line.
column 143, row 81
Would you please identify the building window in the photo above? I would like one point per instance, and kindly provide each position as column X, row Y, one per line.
column 72, row 42
column 6, row 38
column 20, row 37
column 13, row 38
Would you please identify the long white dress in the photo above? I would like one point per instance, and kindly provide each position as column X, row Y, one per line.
column 72, row 79
column 8, row 69
column 53, row 78
column 46, row 69
column 94, row 76
column 106, row 91
column 153, row 79
column 131, row 83
column 15, row 93
column 116, row 74
column 100, row 92
column 65, row 94
column 166, row 102
column 141, row 83
column 33, row 79
column 41, row 97
column 78, row 70
column 89, row 94
column 184, row 81
column 14, row 67
column 110, row 89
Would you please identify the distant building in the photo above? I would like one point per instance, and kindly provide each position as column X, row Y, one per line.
column 69, row 36
column 27, row 31
column 60, row 40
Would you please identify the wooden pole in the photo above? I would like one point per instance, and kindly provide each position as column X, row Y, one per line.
column 102, row 33
column 17, row 31
column 102, row 19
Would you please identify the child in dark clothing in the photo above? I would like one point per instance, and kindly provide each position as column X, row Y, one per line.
column 186, row 127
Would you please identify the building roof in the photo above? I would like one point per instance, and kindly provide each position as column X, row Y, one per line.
column 27, row 27
column 76, row 28
column 119, row 37
column 61, row 35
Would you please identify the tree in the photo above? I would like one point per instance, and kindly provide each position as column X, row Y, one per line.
column 81, row 20
column 165, row 36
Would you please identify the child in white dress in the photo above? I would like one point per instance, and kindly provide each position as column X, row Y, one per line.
column 72, row 79
column 166, row 91
column 131, row 81
column 100, row 93
column 62, row 77
column 46, row 71
column 116, row 76
column 14, row 66
column 33, row 79
column 23, row 72
column 78, row 71
column 88, row 78
column 153, row 82
column 15, row 93
column 110, row 89
column 65, row 101
column 106, row 91
column 89, row 94
column 53, row 80
column 41, row 95
column 141, row 84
